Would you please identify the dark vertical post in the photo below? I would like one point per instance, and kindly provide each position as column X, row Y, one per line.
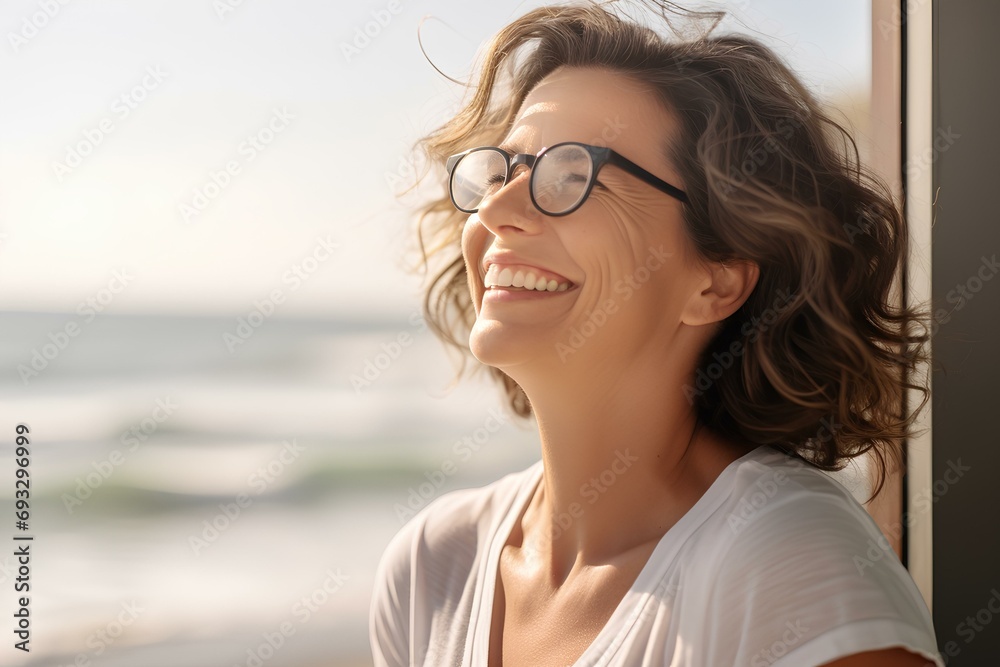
column 965, row 164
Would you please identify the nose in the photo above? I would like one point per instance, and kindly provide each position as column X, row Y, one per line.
column 509, row 210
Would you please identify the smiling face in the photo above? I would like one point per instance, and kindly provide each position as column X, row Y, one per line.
column 613, row 278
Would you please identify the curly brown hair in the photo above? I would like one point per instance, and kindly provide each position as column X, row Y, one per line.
column 817, row 359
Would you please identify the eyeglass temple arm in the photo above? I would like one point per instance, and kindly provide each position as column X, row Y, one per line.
column 650, row 178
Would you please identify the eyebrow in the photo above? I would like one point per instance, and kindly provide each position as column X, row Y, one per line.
column 513, row 147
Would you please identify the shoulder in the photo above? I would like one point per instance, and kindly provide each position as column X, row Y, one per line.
column 788, row 521
column 775, row 493
column 803, row 570
column 428, row 563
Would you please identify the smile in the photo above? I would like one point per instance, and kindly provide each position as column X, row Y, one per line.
column 524, row 278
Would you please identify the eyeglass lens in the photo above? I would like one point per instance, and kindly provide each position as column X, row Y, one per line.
column 559, row 181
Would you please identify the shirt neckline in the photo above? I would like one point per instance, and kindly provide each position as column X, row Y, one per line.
column 639, row 594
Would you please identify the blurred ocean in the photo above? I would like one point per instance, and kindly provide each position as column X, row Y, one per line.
column 193, row 505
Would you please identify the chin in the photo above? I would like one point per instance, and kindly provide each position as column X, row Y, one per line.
column 495, row 344
column 489, row 344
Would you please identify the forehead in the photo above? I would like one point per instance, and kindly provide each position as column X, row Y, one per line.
column 594, row 106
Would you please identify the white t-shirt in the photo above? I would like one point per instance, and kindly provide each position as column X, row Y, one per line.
column 776, row 565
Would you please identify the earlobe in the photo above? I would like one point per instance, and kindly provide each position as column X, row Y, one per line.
column 726, row 287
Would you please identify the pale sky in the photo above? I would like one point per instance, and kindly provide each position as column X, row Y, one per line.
column 311, row 136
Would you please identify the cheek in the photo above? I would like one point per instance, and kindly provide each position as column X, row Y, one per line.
column 468, row 233
column 614, row 239
column 474, row 238
column 649, row 237
column 635, row 260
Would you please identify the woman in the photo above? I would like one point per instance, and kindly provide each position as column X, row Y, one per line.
column 699, row 319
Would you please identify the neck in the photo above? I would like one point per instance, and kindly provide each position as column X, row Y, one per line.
column 624, row 459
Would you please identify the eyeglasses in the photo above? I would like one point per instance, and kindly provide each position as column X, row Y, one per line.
column 562, row 175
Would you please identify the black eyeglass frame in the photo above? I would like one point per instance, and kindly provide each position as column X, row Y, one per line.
column 599, row 156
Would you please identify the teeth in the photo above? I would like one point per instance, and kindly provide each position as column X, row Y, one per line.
column 506, row 277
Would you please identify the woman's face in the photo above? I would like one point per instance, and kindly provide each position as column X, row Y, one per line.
column 624, row 254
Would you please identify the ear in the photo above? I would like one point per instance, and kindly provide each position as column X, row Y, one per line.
column 726, row 286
